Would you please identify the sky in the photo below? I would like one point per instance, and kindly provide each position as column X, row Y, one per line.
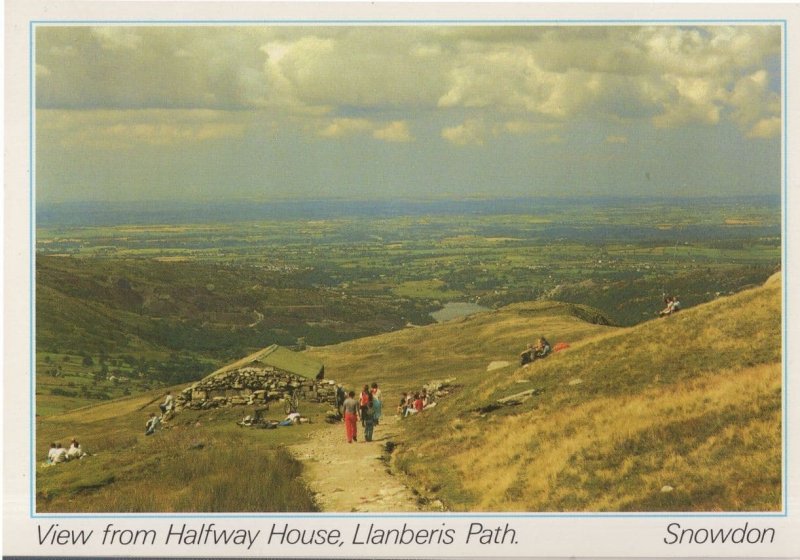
column 130, row 113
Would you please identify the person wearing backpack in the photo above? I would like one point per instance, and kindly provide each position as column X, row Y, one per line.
column 368, row 418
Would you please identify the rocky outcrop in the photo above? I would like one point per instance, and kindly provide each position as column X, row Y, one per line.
column 254, row 385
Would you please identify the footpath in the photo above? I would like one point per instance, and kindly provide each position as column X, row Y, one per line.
column 353, row 477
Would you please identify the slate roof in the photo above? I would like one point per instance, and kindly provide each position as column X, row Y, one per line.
column 280, row 358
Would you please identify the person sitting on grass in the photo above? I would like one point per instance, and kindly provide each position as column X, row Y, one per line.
column 542, row 349
column 427, row 400
column 418, row 402
column 152, row 424
column 410, row 407
column 527, row 355
column 292, row 419
column 667, row 307
column 401, row 408
column 673, row 305
column 423, row 395
column 75, row 451
column 51, row 455
column 167, row 406
column 59, row 454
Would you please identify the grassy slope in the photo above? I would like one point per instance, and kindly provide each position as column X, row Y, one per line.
column 692, row 401
column 203, row 463
column 130, row 472
column 461, row 348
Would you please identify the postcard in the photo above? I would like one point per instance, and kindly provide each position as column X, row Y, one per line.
column 400, row 280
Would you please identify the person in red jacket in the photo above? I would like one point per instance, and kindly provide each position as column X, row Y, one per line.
column 418, row 403
column 363, row 402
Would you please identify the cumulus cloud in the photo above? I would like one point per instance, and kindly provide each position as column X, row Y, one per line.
column 754, row 107
column 666, row 75
column 765, row 128
column 116, row 130
column 150, row 68
column 345, row 127
column 469, row 132
column 396, row 131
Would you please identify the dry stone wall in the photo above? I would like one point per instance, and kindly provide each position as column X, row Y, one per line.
column 254, row 385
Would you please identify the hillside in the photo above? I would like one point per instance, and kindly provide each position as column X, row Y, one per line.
column 212, row 310
column 681, row 413
column 200, row 462
column 690, row 404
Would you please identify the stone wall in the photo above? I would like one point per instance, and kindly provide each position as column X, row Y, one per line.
column 254, row 385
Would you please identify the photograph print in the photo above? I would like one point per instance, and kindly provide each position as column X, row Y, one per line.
column 408, row 268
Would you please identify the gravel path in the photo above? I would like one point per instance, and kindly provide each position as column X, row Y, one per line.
column 349, row 477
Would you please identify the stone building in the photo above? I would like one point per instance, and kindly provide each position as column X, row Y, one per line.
column 266, row 376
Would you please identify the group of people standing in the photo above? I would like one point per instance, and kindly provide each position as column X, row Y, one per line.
column 367, row 408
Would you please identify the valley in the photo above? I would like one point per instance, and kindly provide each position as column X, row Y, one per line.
column 125, row 311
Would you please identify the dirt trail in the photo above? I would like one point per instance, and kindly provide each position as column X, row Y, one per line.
column 350, row 477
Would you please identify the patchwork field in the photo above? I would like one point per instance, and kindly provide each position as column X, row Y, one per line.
column 637, row 414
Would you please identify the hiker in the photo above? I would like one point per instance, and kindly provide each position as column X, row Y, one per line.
column 376, row 392
column 75, row 451
column 152, row 424
column 377, row 407
column 350, row 407
column 369, row 418
column 542, row 349
column 362, row 402
column 340, row 397
column 166, row 406
column 527, row 355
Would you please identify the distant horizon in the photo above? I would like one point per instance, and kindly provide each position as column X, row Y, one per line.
column 108, row 213
column 632, row 198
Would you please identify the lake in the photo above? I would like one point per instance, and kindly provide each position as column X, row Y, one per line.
column 457, row 309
